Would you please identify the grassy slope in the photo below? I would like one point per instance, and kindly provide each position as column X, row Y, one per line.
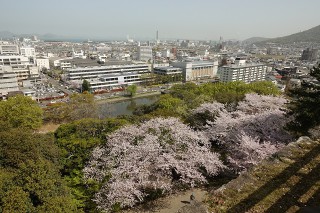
column 286, row 182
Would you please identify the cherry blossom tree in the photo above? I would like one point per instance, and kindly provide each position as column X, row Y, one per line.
column 157, row 155
column 249, row 133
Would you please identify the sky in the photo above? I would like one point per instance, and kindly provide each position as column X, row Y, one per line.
column 174, row 19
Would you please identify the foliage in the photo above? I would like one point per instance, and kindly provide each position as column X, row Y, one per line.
column 85, row 86
column 222, row 92
column 304, row 106
column 30, row 180
column 20, row 111
column 132, row 90
column 79, row 106
column 168, row 106
column 185, row 97
column 165, row 79
column 77, row 140
column 156, row 155
column 17, row 146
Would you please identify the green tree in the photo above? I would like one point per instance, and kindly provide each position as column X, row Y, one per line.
column 16, row 200
column 79, row 106
column 132, row 90
column 77, row 140
column 30, row 179
column 20, row 111
column 304, row 105
column 85, row 86
column 19, row 145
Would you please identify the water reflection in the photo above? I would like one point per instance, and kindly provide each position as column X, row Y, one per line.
column 124, row 107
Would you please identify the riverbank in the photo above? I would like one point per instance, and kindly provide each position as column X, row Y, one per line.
column 123, row 98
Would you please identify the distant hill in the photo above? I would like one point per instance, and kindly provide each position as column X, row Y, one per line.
column 255, row 40
column 48, row 36
column 6, row 34
column 311, row 35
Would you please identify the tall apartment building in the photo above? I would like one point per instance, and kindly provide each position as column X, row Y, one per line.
column 309, row 55
column 9, row 49
column 144, row 53
column 242, row 71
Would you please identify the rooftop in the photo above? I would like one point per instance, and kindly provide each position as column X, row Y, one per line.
column 244, row 65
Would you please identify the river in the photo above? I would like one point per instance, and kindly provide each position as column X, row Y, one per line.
column 125, row 107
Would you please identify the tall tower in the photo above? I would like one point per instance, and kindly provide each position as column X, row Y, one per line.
column 157, row 35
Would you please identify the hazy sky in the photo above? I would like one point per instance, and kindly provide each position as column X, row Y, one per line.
column 185, row 19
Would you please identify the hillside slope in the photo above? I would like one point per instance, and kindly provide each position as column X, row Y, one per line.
column 287, row 182
column 311, row 35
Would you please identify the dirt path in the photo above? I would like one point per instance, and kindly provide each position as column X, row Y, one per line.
column 173, row 203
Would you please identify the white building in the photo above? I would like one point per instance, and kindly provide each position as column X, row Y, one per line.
column 115, row 80
column 42, row 63
column 14, row 60
column 28, row 52
column 96, row 71
column 78, row 54
column 166, row 53
column 107, row 77
column 144, row 53
column 242, row 71
column 8, row 80
column 196, row 70
column 9, row 49
column 20, row 65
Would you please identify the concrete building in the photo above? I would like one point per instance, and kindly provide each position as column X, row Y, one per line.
column 14, row 60
column 242, row 71
column 79, row 54
column 114, row 80
column 167, row 70
column 42, row 63
column 107, row 77
column 28, row 52
column 144, row 53
column 9, row 49
column 196, row 70
column 8, row 80
column 98, row 71
column 309, row 55
column 20, row 65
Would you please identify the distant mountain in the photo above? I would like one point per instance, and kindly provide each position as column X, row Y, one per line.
column 311, row 35
column 254, row 40
column 6, row 34
column 48, row 36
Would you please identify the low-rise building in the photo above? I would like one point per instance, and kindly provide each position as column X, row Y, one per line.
column 196, row 70
column 98, row 71
column 167, row 70
column 108, row 76
column 114, row 80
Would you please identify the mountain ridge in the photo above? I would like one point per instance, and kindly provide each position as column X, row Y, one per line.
column 310, row 35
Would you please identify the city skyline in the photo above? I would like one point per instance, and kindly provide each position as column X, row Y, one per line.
column 202, row 20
